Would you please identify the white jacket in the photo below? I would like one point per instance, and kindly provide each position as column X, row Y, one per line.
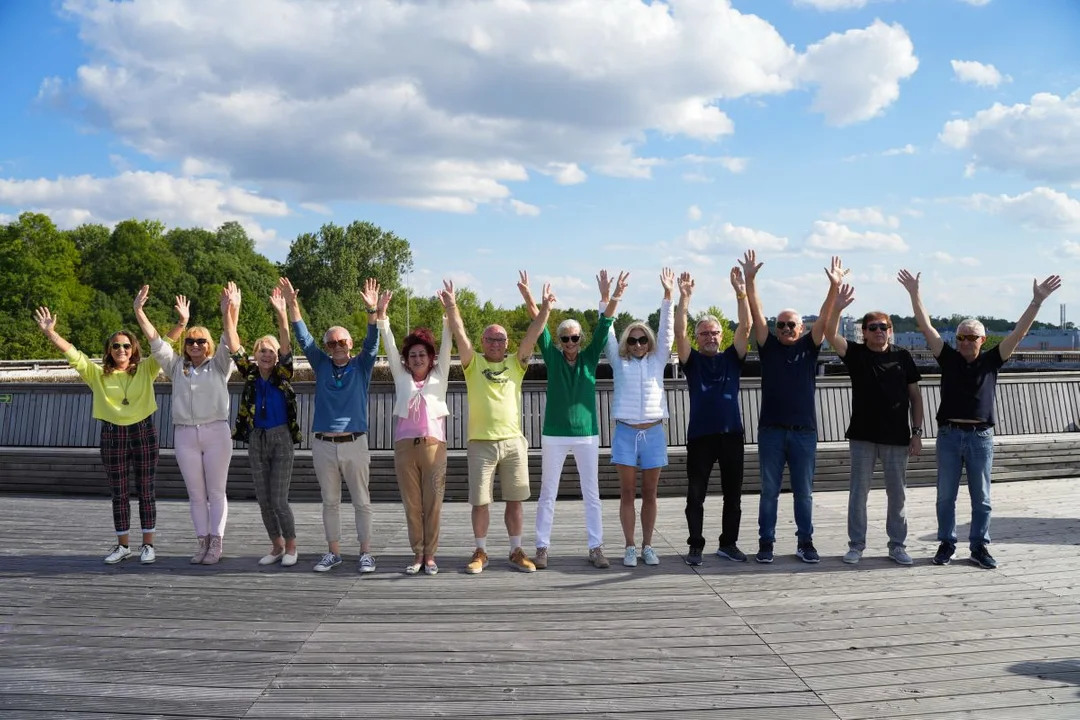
column 639, row 384
column 405, row 391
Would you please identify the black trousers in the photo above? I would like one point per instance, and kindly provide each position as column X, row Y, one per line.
column 701, row 454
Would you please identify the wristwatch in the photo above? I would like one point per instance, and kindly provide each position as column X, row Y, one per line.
column 371, row 310
column 916, row 432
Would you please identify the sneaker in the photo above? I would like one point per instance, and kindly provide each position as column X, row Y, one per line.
column 630, row 558
column 982, row 557
column 213, row 551
column 478, row 563
column 731, row 552
column 853, row 556
column 118, row 554
column 900, row 556
column 521, row 561
column 540, row 561
column 147, row 554
column 944, row 553
column 200, row 552
column 431, row 569
column 807, row 552
column 366, row 564
column 288, row 559
column 413, row 568
column 693, row 557
column 764, row 553
column 328, row 561
column 597, row 558
column 649, row 555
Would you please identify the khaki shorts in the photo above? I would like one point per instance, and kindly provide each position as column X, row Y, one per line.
column 509, row 458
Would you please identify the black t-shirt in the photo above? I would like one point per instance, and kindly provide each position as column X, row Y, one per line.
column 879, row 393
column 968, row 389
column 788, row 382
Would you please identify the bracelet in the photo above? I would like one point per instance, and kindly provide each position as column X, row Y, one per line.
column 740, row 296
column 371, row 310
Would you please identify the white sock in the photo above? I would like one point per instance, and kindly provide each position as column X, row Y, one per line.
column 515, row 542
column 481, row 543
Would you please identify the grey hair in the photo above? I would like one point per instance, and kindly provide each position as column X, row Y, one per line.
column 566, row 325
column 707, row 319
column 336, row 327
column 793, row 311
column 975, row 325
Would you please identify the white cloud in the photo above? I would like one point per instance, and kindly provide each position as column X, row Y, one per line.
column 694, row 213
column 1040, row 209
column 1070, row 249
column 696, row 177
column 176, row 201
column 946, row 259
column 976, row 73
column 524, row 208
column 317, row 208
column 908, row 149
column 832, row 236
column 1040, row 140
column 721, row 239
column 731, row 164
column 442, row 106
column 865, row 216
column 832, row 4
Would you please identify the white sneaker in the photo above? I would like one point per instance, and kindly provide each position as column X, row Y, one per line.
column 630, row 558
column 367, row 563
column 147, row 554
column 853, row 556
column 900, row 555
column 118, row 554
column 649, row 555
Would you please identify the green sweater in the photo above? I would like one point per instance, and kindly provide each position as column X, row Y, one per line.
column 571, row 389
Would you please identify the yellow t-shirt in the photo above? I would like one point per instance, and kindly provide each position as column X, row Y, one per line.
column 111, row 390
column 494, row 398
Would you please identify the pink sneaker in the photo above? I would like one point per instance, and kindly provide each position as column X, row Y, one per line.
column 213, row 552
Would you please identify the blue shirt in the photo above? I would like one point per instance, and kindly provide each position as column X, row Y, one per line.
column 713, row 381
column 788, row 382
column 341, row 393
column 269, row 405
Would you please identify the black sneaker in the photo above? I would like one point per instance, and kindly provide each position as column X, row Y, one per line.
column 982, row 557
column 694, row 556
column 944, row 553
column 731, row 552
column 807, row 552
column 764, row 553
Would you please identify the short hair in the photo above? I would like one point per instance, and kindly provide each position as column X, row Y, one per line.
column 708, row 319
column 108, row 365
column 975, row 324
column 624, row 351
column 876, row 315
column 268, row 340
column 419, row 336
column 793, row 311
column 329, row 330
column 566, row 325
column 199, row 331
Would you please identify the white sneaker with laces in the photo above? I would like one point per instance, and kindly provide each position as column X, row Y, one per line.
column 853, row 556
column 118, row 554
column 630, row 558
column 147, row 554
column 367, row 563
column 649, row 555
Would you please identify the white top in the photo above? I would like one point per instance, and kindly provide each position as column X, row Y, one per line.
column 200, row 395
column 639, row 384
column 406, row 390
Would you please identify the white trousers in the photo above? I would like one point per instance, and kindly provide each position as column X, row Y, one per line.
column 586, row 451
column 203, row 453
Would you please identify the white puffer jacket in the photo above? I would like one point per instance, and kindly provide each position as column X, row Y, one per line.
column 639, row 384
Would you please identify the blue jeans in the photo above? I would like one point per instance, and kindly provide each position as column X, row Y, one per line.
column 956, row 449
column 798, row 449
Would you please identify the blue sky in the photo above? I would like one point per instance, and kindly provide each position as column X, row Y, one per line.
column 561, row 137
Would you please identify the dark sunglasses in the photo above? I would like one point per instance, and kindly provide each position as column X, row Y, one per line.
column 874, row 327
column 569, row 338
column 336, row 343
column 121, row 346
column 968, row 338
column 194, row 341
column 790, row 325
column 631, row 341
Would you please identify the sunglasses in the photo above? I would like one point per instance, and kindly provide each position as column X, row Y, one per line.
column 195, row 341
column 874, row 327
column 790, row 325
column 569, row 338
column 968, row 338
column 337, row 343
column 121, row 346
column 632, row 341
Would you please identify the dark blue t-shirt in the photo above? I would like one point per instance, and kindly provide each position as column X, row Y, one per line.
column 968, row 389
column 270, row 411
column 714, row 393
column 788, row 382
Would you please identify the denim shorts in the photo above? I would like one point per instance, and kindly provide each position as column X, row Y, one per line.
column 645, row 449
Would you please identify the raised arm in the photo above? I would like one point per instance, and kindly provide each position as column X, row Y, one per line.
column 666, row 332
column 911, row 284
column 145, row 325
column 277, row 300
column 457, row 325
column 230, row 316
column 844, row 297
column 750, row 267
column 835, row 273
column 528, row 343
column 526, row 294
column 370, row 296
column 292, row 299
column 746, row 323
column 682, row 341
column 47, row 322
column 183, row 314
column 1040, row 291
column 393, row 355
column 445, row 343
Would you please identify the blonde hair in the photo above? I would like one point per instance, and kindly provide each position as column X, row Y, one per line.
column 199, row 332
column 266, row 340
column 624, row 351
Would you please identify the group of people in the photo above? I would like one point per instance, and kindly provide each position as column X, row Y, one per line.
column 886, row 421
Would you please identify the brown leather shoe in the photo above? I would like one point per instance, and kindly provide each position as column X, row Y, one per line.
column 521, row 561
column 478, row 563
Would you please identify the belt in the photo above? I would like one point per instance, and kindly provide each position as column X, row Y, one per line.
column 790, row 428
column 338, row 438
column 969, row 427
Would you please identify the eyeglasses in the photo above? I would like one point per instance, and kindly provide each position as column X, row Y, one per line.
column 874, row 327
column 495, row 341
column 337, row 343
column 195, row 341
column 710, row 333
column 121, row 346
column 632, row 341
column 790, row 324
column 569, row 338
column 968, row 338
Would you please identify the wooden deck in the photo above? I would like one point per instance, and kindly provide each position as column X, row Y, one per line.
column 82, row 640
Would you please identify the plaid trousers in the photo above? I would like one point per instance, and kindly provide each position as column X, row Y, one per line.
column 130, row 453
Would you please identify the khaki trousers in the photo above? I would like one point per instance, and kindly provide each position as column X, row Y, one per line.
column 420, row 464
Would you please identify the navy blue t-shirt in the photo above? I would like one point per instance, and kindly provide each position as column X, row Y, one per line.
column 788, row 382
column 968, row 389
column 714, row 393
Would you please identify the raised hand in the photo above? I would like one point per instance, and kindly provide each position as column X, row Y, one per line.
column 1042, row 290
column 621, row 284
column 141, row 297
column 750, row 265
column 288, row 290
column 446, row 295
column 234, row 295
column 523, row 284
column 686, row 284
column 909, row 281
column 604, row 283
column 224, row 301
column 277, row 300
column 737, row 281
column 845, row 295
column 183, row 309
column 549, row 296
column 837, row 271
column 667, row 279
column 45, row 320
column 371, row 292
column 384, row 302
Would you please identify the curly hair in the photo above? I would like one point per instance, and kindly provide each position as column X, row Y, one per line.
column 108, row 365
column 419, row 336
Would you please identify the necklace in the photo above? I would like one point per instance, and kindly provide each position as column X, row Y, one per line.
column 126, row 386
column 339, row 373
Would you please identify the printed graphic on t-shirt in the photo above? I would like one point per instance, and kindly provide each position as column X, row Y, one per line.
column 493, row 375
